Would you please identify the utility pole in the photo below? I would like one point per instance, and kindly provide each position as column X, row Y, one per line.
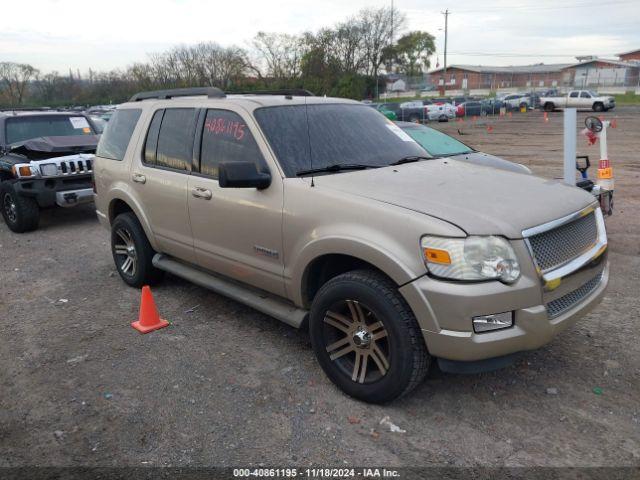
column 391, row 23
column 446, row 14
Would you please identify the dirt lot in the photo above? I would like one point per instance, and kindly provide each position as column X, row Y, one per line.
column 227, row 386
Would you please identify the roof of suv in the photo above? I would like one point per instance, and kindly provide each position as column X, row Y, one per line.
column 37, row 113
column 248, row 101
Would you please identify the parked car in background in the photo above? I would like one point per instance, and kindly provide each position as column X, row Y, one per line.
column 580, row 99
column 440, row 112
column 470, row 108
column 492, row 106
column 383, row 109
column 46, row 160
column 514, row 101
column 413, row 111
column 440, row 144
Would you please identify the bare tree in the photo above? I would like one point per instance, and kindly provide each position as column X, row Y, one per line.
column 378, row 26
column 14, row 78
column 281, row 53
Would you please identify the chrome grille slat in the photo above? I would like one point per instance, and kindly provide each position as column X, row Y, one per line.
column 560, row 245
column 560, row 305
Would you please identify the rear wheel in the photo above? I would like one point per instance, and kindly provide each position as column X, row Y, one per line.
column 549, row 107
column 414, row 118
column 366, row 338
column 21, row 214
column 132, row 252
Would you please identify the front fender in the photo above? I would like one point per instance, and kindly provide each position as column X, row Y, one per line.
column 375, row 255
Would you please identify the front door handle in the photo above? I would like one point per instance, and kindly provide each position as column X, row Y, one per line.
column 202, row 193
column 138, row 178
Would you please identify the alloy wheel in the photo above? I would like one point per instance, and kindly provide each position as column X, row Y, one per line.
column 357, row 341
column 125, row 249
column 10, row 208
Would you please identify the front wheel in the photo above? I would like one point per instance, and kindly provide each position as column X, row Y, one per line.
column 21, row 214
column 598, row 107
column 549, row 107
column 366, row 337
column 132, row 252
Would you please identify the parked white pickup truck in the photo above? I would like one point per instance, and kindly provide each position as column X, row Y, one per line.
column 580, row 99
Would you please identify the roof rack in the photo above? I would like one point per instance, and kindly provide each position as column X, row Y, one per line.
column 211, row 92
column 297, row 92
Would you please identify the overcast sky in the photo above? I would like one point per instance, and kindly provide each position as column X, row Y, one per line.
column 63, row 34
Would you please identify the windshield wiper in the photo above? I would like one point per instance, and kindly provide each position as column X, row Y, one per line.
column 447, row 155
column 410, row 159
column 337, row 167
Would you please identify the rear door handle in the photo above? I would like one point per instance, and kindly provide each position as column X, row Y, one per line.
column 202, row 193
column 138, row 178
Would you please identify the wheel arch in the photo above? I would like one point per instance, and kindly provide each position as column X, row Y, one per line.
column 121, row 204
column 320, row 263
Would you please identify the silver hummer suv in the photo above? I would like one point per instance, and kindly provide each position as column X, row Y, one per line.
column 320, row 211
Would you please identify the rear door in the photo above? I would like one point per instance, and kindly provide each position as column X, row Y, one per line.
column 160, row 178
column 573, row 100
column 237, row 231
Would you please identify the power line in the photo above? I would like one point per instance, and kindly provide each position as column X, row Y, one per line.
column 498, row 54
column 548, row 7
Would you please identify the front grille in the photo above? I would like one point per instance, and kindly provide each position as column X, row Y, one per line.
column 68, row 167
column 560, row 305
column 564, row 243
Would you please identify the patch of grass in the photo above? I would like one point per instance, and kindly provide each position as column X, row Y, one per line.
column 628, row 98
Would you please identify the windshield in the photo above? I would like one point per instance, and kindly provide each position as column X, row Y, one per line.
column 337, row 134
column 435, row 142
column 19, row 129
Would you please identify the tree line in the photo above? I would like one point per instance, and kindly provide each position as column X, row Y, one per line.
column 344, row 60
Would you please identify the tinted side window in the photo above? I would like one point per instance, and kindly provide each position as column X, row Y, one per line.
column 584, row 95
column 175, row 141
column 117, row 134
column 226, row 138
column 573, row 94
column 151, row 144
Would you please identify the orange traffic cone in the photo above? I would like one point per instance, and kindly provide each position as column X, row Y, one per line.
column 546, row 117
column 149, row 318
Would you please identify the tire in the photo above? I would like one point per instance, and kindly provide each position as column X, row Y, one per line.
column 549, row 107
column 414, row 118
column 132, row 252
column 362, row 312
column 21, row 214
column 598, row 107
column 443, row 118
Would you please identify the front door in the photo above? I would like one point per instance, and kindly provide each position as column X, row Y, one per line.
column 237, row 231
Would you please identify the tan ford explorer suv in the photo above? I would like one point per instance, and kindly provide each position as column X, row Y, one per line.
column 321, row 212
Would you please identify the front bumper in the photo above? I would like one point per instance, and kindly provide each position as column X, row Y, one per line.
column 61, row 191
column 444, row 311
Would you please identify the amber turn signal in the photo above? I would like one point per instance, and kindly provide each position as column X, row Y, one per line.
column 435, row 255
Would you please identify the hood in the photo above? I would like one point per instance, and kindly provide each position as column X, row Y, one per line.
column 478, row 199
column 70, row 143
column 480, row 158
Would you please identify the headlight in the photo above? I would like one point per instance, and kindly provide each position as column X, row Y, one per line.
column 471, row 258
column 49, row 169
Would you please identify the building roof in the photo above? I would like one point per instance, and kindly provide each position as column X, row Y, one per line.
column 620, row 63
column 629, row 52
column 537, row 68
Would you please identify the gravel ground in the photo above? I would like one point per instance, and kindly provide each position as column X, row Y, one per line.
column 227, row 386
